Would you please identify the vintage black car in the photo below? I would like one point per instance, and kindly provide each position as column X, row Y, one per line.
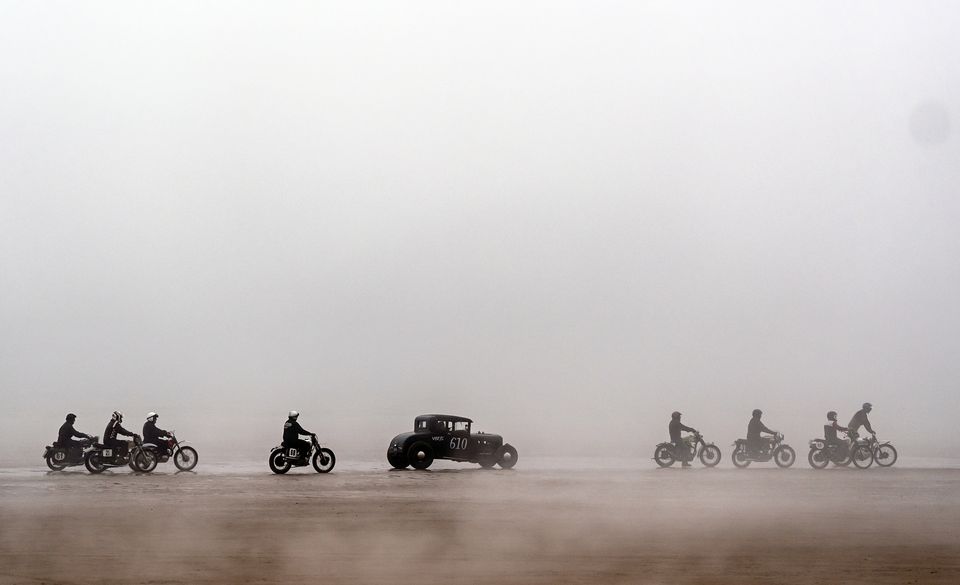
column 443, row 436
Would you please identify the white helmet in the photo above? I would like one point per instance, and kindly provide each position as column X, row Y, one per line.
column 117, row 416
column 293, row 414
column 152, row 415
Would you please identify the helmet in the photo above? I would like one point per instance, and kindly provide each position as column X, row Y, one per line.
column 757, row 412
column 293, row 414
column 152, row 415
column 867, row 406
column 832, row 415
column 117, row 416
column 71, row 417
column 676, row 414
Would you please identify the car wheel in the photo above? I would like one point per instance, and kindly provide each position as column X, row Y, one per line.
column 487, row 461
column 508, row 458
column 420, row 455
column 396, row 461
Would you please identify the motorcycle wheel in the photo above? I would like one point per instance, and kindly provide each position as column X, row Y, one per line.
column 508, row 458
column 92, row 462
column 784, row 456
column 844, row 460
column 420, row 455
column 278, row 463
column 324, row 460
column 710, row 455
column 53, row 465
column 185, row 458
column 740, row 457
column 663, row 455
column 885, row 455
column 817, row 458
column 144, row 460
column 862, row 456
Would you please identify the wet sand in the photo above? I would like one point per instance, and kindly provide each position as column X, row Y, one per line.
column 460, row 524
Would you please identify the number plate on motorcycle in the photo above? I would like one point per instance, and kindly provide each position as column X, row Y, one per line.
column 292, row 453
column 60, row 456
column 108, row 452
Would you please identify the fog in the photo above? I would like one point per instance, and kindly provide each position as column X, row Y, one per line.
column 564, row 220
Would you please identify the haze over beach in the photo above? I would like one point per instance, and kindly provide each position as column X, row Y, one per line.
column 564, row 220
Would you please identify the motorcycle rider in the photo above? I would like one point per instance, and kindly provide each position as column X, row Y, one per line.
column 154, row 434
column 292, row 431
column 67, row 433
column 754, row 428
column 676, row 427
column 860, row 420
column 114, row 428
column 830, row 431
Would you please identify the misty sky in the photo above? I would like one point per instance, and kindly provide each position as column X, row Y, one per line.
column 564, row 220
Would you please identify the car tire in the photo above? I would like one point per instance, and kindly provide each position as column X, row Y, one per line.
column 396, row 461
column 508, row 457
column 420, row 455
column 487, row 461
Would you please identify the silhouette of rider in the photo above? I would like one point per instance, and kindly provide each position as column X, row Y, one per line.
column 113, row 429
column 67, row 433
column 830, row 430
column 292, row 431
column 154, row 434
column 754, row 441
column 860, row 420
column 676, row 427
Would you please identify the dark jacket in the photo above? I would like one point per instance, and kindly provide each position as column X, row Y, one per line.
column 113, row 429
column 152, row 433
column 676, row 427
column 67, row 432
column 830, row 431
column 292, row 431
column 755, row 427
column 858, row 420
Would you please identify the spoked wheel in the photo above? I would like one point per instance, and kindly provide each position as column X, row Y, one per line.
column 55, row 465
column 663, row 455
column 740, row 458
column 420, row 455
column 885, row 455
column 144, row 460
column 710, row 455
column 278, row 463
column 784, row 456
column 862, row 456
column 185, row 458
column 508, row 458
column 324, row 460
column 93, row 463
column 818, row 458
column 842, row 457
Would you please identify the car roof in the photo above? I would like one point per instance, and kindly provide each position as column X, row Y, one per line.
column 450, row 417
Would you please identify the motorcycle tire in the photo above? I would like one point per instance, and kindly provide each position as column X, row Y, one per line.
column 144, row 460
column 818, row 458
column 92, row 462
column 710, row 456
column 185, row 458
column 52, row 463
column 885, row 455
column 663, row 455
column 862, row 456
column 739, row 458
column 324, row 460
column 278, row 463
column 784, row 456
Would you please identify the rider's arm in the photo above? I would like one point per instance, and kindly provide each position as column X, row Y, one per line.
column 300, row 430
column 764, row 428
column 866, row 425
column 122, row 431
column 684, row 427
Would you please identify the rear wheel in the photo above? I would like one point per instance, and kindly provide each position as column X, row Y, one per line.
column 278, row 463
column 185, row 458
column 862, row 456
column 818, row 458
column 784, row 456
column 663, row 455
column 739, row 457
column 885, row 455
column 93, row 462
column 420, row 455
column 52, row 462
column 508, row 458
column 710, row 455
column 324, row 460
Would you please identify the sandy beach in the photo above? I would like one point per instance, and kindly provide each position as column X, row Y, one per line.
column 461, row 524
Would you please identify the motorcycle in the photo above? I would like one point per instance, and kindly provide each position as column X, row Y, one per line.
column 148, row 455
column 821, row 454
column 282, row 458
column 101, row 457
column 884, row 453
column 59, row 458
column 773, row 448
column 693, row 446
